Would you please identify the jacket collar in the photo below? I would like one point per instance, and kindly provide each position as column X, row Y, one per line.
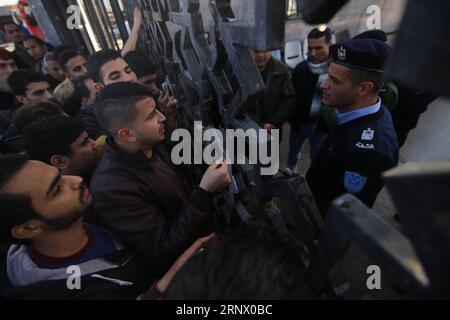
column 113, row 153
column 355, row 114
column 274, row 68
column 371, row 117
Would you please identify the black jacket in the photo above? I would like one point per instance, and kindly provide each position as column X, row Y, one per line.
column 352, row 158
column 8, row 107
column 119, row 266
column 305, row 84
column 143, row 203
column 276, row 103
column 93, row 127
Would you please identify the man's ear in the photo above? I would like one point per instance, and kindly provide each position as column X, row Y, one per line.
column 27, row 230
column 22, row 99
column 99, row 86
column 126, row 135
column 366, row 88
column 86, row 101
column 60, row 162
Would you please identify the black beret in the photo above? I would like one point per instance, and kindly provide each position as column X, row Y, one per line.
column 372, row 34
column 362, row 54
column 122, row 90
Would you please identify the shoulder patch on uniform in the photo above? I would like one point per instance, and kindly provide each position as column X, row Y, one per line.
column 354, row 182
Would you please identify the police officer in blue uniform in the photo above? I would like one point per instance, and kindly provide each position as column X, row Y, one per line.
column 364, row 144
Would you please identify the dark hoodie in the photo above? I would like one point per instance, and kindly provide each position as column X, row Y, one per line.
column 120, row 275
column 144, row 203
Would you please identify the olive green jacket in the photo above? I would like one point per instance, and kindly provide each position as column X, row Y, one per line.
column 275, row 105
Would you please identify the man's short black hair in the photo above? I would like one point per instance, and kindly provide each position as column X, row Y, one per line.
column 38, row 40
column 250, row 263
column 357, row 76
column 114, row 114
column 81, row 90
column 51, row 136
column 317, row 34
column 5, row 54
column 19, row 80
column 98, row 59
column 122, row 89
column 30, row 112
column 141, row 64
column 65, row 56
column 6, row 23
column 60, row 49
column 73, row 103
column 11, row 165
column 15, row 209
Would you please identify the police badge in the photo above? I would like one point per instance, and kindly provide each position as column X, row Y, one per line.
column 368, row 134
column 342, row 54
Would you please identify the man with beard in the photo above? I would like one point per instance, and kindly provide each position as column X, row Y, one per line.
column 28, row 87
column 37, row 49
column 146, row 71
column 7, row 99
column 274, row 106
column 12, row 34
column 138, row 192
column 54, row 73
column 54, row 254
column 108, row 67
column 74, row 65
column 62, row 142
column 307, row 79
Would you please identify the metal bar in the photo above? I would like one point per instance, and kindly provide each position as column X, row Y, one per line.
column 350, row 221
column 91, row 12
column 119, row 19
column 102, row 13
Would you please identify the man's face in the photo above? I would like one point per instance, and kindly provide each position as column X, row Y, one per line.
column 90, row 84
column 76, row 67
column 261, row 58
column 59, row 200
column 83, row 159
column 55, row 70
column 34, row 49
column 149, row 125
column 37, row 92
column 338, row 89
column 149, row 81
column 117, row 71
column 12, row 33
column 6, row 68
column 318, row 50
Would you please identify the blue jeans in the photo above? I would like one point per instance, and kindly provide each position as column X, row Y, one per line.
column 297, row 140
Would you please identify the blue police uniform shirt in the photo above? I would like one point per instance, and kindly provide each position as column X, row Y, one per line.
column 353, row 157
column 344, row 117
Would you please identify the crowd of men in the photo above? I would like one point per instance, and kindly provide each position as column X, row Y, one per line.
column 86, row 178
